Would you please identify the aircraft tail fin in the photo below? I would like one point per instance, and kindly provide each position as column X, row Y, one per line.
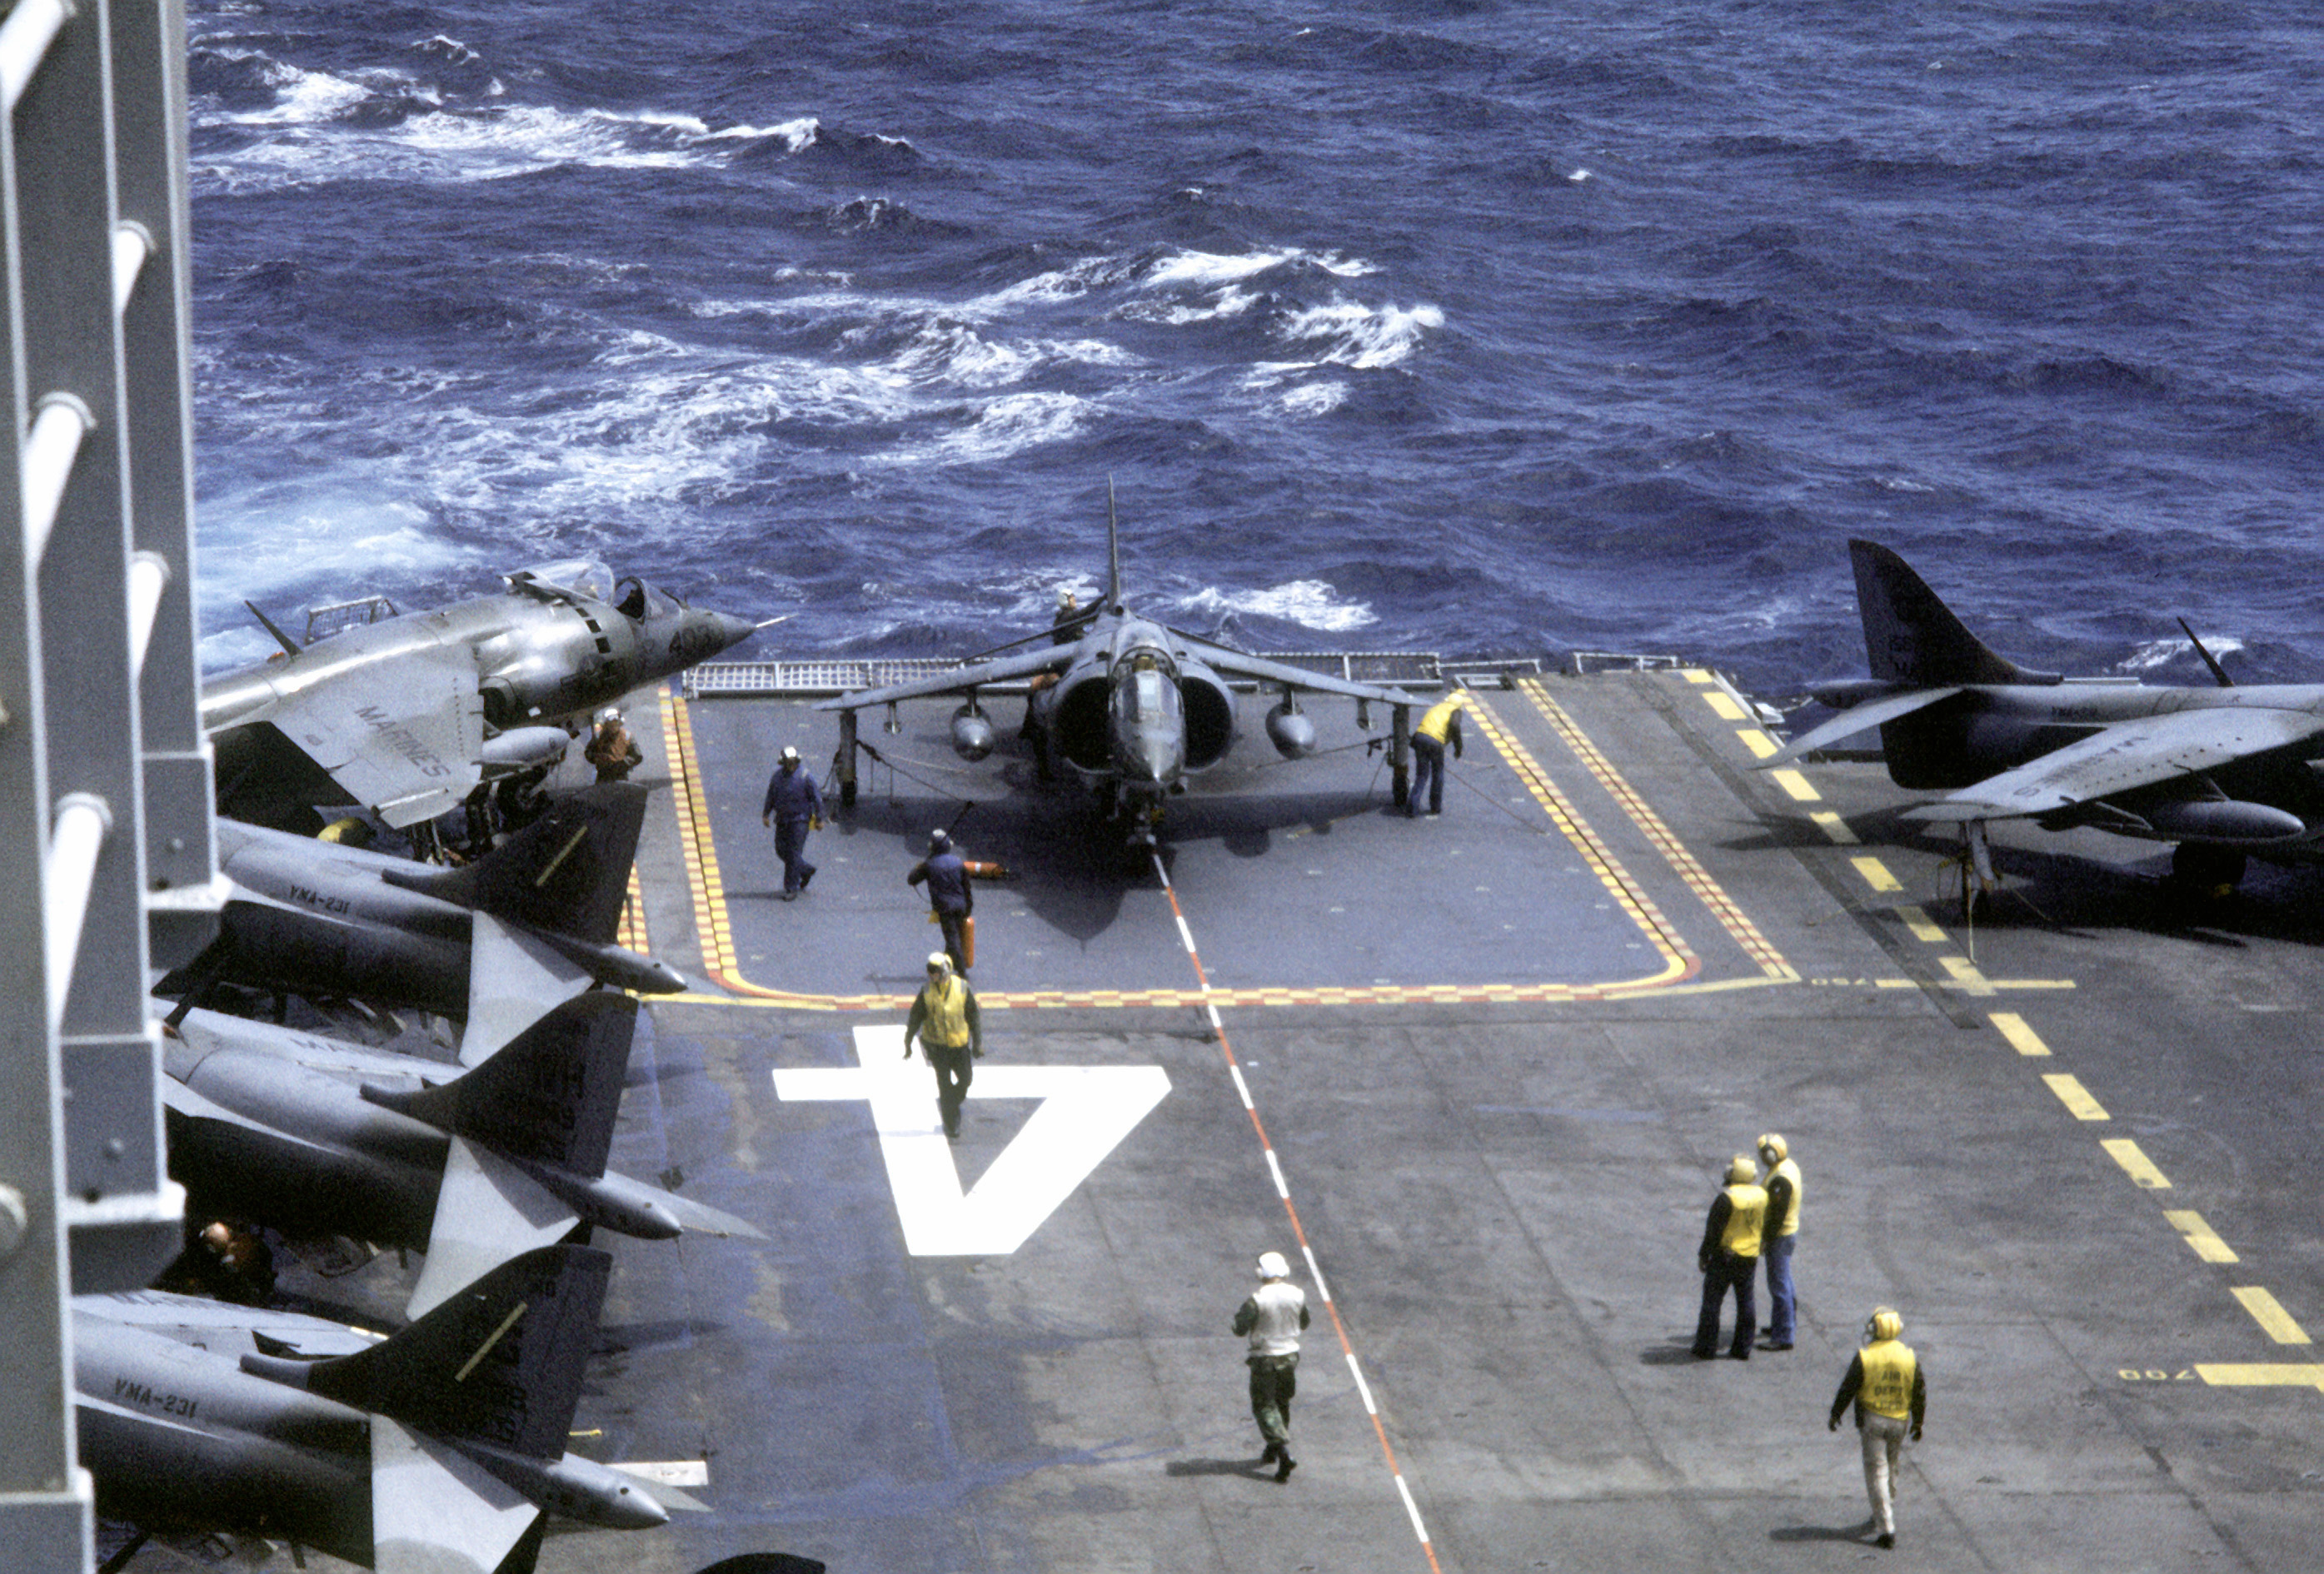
column 551, row 1095
column 568, row 872
column 1911, row 636
column 1113, row 550
column 500, row 1362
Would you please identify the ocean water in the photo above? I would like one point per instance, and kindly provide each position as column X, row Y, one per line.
column 1453, row 325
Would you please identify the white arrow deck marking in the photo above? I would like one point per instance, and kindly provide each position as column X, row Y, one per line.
column 1083, row 1113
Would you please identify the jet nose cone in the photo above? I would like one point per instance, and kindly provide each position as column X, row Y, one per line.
column 731, row 631
column 635, row 1509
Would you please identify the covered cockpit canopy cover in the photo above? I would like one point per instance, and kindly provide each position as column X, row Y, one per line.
column 582, row 576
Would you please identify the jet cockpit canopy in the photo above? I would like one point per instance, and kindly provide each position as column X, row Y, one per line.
column 581, row 576
column 635, row 599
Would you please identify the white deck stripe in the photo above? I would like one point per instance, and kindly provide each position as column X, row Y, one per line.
column 1281, row 1188
column 1240, row 1087
column 1363, row 1389
column 1413, row 1509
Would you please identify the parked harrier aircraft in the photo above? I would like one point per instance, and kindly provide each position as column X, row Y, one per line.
column 406, row 715
column 1132, row 707
column 2222, row 772
column 434, row 1451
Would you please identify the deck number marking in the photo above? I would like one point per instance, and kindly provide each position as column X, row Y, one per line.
column 1083, row 1113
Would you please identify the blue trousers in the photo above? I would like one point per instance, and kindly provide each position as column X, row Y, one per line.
column 791, row 846
column 1782, row 1301
column 1727, row 1271
column 1427, row 772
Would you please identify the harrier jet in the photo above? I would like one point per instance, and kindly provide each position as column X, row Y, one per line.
column 1132, row 708
column 406, row 713
column 2222, row 772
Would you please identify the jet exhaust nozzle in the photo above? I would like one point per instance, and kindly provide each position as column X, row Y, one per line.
column 971, row 733
column 1291, row 732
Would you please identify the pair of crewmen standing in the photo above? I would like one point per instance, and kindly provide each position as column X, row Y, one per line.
column 1754, row 1220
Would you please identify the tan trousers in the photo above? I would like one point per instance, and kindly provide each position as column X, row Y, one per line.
column 1883, row 1437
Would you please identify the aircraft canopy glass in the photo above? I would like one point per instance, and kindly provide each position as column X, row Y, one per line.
column 584, row 576
column 641, row 600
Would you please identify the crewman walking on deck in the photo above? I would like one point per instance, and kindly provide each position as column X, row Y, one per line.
column 1272, row 1318
column 1783, row 1186
column 1440, row 725
column 945, row 1020
column 794, row 807
column 949, row 896
column 1729, row 1259
column 1892, row 1397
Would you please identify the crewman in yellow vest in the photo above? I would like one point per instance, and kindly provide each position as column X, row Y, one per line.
column 1440, row 725
column 1891, row 1394
column 1729, row 1259
column 945, row 1020
column 1782, row 1184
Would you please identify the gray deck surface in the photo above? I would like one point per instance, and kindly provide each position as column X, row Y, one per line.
column 1500, row 1147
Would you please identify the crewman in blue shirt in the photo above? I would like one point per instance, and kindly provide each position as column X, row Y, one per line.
column 794, row 806
column 946, row 877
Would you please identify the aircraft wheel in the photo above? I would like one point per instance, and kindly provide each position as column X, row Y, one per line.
column 2212, row 870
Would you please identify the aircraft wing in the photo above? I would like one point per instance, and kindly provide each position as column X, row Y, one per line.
column 488, row 1212
column 513, row 980
column 1051, row 658
column 435, row 1511
column 404, row 736
column 2126, row 755
column 1857, row 719
column 1236, row 664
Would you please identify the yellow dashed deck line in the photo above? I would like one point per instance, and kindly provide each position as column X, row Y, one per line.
column 2261, row 1374
column 1757, row 742
column 2201, row 1236
column 1924, row 928
column 1833, row 826
column 1682, row 862
column 2269, row 1313
column 2021, row 1038
column 1800, row 789
column 1874, row 873
column 2135, row 1163
column 1722, row 706
column 2075, row 1097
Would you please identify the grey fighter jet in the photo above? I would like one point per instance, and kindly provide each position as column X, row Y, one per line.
column 2222, row 772
column 434, row 1451
column 1132, row 707
column 495, row 942
column 317, row 1137
column 406, row 715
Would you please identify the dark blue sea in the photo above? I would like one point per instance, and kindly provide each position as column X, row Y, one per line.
column 1452, row 325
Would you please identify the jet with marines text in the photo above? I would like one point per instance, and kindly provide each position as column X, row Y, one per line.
column 405, row 714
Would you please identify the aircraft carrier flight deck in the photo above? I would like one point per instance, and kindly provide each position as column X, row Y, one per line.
column 1479, row 1078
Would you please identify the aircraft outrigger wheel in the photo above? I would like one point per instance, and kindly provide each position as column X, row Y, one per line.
column 2208, row 871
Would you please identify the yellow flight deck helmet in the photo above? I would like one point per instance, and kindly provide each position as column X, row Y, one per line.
column 1883, row 1323
column 1742, row 1172
column 1772, row 1145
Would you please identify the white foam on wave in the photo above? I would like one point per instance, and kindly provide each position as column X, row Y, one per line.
column 2157, row 653
column 1315, row 399
column 1351, row 334
column 1310, row 602
column 1003, row 427
column 1204, row 269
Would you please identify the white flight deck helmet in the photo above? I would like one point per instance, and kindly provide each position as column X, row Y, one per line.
column 790, row 754
column 1271, row 1266
column 1883, row 1323
column 939, row 962
column 938, row 839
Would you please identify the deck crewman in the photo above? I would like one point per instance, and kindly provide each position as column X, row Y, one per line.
column 1891, row 1396
column 949, row 896
column 1272, row 1317
column 1784, row 1186
column 794, row 806
column 1729, row 1259
column 945, row 1021
column 1439, row 726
